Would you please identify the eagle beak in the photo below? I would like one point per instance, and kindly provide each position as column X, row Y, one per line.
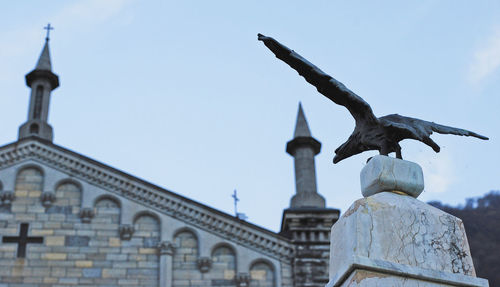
column 336, row 159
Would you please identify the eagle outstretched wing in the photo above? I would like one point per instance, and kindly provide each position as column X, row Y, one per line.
column 421, row 130
column 324, row 83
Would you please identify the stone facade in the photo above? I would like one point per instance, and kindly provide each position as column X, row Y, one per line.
column 94, row 233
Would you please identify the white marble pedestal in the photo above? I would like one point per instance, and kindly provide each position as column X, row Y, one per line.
column 392, row 239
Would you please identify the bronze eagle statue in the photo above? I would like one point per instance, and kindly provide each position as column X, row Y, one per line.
column 371, row 133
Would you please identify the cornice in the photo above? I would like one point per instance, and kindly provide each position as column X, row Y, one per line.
column 154, row 197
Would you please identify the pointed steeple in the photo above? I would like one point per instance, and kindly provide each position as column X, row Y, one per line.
column 42, row 82
column 301, row 127
column 43, row 69
column 302, row 135
column 307, row 221
column 44, row 60
column 303, row 147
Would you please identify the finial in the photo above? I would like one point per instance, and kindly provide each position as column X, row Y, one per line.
column 48, row 28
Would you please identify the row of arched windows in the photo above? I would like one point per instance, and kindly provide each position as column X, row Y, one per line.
column 222, row 262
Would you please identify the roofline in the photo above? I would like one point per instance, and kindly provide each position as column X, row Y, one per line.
column 144, row 182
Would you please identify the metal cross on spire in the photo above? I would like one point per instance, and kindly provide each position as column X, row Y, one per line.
column 236, row 199
column 48, row 28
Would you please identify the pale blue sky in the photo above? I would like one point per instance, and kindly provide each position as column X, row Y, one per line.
column 183, row 95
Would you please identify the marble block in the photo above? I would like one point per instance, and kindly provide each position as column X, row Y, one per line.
column 390, row 239
column 383, row 173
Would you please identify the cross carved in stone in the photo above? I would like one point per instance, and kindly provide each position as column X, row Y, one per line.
column 22, row 240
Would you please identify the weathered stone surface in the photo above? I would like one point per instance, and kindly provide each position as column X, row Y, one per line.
column 59, row 209
column 362, row 278
column 5, row 208
column 400, row 236
column 77, row 240
column 92, row 272
column 151, row 242
column 383, row 173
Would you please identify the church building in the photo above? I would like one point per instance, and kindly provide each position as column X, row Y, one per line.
column 69, row 220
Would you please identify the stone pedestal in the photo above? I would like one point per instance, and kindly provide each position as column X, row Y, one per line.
column 392, row 239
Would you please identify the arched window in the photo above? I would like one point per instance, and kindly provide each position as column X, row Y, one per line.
column 29, row 180
column 147, row 228
column 107, row 203
column 184, row 262
column 68, row 194
column 262, row 275
column 224, row 265
column 108, row 210
column 145, row 238
column 37, row 111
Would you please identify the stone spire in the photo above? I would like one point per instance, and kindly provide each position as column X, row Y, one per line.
column 44, row 60
column 41, row 81
column 301, row 127
column 303, row 147
column 307, row 222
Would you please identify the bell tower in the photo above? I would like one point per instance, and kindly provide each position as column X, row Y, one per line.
column 307, row 221
column 42, row 82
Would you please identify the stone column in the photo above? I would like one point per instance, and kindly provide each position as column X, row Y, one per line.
column 166, row 251
column 389, row 238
